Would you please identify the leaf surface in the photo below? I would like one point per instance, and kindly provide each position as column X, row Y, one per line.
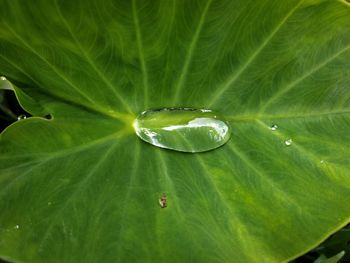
column 82, row 187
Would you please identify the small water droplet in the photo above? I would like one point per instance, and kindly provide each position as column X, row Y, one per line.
column 3, row 78
column 16, row 226
column 322, row 161
column 182, row 129
column 288, row 142
column 21, row 117
column 274, row 127
column 49, row 203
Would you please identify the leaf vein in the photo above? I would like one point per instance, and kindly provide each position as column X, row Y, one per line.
column 76, row 190
column 287, row 88
column 250, row 60
column 90, row 62
column 141, row 54
column 190, row 53
column 58, row 73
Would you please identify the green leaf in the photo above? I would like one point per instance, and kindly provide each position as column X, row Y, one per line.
column 4, row 84
column 82, row 187
column 334, row 259
column 337, row 242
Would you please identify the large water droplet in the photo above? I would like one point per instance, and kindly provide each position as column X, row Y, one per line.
column 182, row 129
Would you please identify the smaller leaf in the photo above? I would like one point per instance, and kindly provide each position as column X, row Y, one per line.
column 334, row 259
column 5, row 84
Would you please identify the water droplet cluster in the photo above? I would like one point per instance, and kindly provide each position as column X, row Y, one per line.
column 274, row 127
column 21, row 117
column 287, row 142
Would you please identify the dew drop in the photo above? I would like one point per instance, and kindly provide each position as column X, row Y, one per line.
column 3, row 78
column 21, row 117
column 274, row 127
column 288, row 142
column 322, row 161
column 49, row 203
column 182, row 129
column 16, row 226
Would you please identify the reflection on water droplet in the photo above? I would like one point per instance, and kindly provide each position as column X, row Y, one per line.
column 16, row 226
column 3, row 78
column 182, row 129
column 21, row 117
column 274, row 127
column 288, row 142
column 322, row 161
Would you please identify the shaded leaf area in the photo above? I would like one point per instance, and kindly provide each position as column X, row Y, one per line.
column 81, row 187
column 335, row 249
column 9, row 109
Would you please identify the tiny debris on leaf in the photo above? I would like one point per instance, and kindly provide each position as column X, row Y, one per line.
column 162, row 201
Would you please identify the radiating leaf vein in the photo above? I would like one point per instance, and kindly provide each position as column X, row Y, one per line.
column 92, row 63
column 141, row 53
column 190, row 53
column 225, row 86
column 288, row 87
column 54, row 69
